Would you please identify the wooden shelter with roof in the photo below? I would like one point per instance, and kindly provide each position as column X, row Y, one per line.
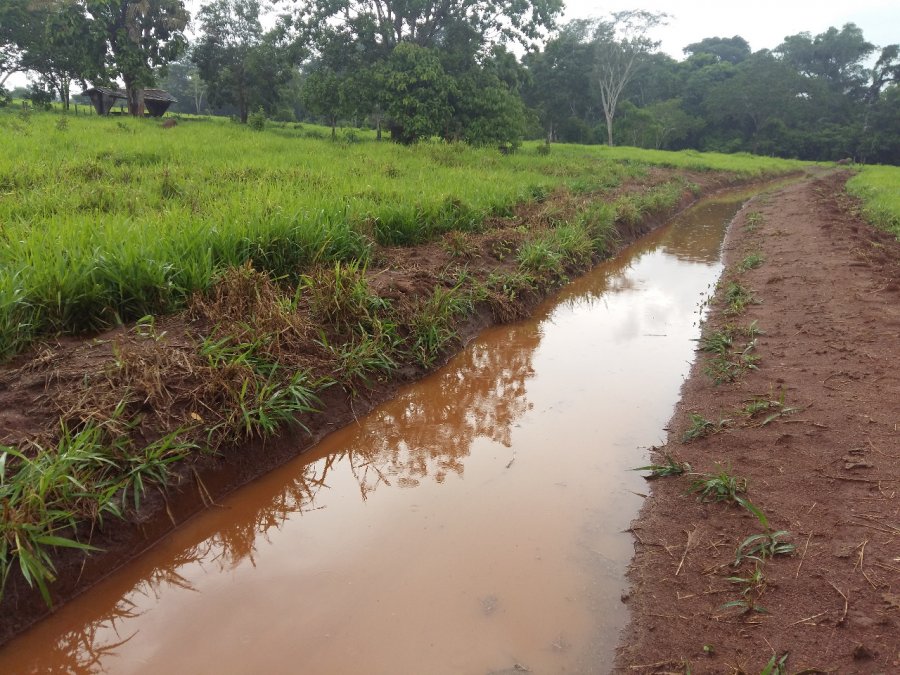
column 156, row 101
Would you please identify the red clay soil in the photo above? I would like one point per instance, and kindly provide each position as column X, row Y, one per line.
column 828, row 297
column 54, row 379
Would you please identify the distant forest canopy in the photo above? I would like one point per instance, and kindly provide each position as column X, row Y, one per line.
column 449, row 69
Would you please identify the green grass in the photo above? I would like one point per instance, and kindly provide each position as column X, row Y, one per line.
column 110, row 219
column 879, row 189
column 763, row 545
column 721, row 486
column 736, row 298
column 87, row 475
column 701, row 427
column 741, row 162
column 672, row 467
column 751, row 261
column 754, row 220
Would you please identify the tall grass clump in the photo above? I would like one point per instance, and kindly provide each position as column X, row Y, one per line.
column 47, row 492
column 879, row 189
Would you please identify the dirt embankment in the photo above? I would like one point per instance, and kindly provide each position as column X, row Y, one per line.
column 811, row 422
column 158, row 376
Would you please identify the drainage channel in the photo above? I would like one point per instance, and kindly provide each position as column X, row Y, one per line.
column 474, row 524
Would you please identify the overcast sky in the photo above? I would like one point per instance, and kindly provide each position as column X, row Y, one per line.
column 763, row 23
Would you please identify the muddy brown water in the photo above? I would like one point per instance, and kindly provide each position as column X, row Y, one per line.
column 475, row 524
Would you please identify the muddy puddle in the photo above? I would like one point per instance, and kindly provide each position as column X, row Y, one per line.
column 472, row 525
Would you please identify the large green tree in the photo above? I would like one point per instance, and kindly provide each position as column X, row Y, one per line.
column 141, row 36
column 759, row 98
column 560, row 75
column 731, row 50
column 241, row 64
column 58, row 42
column 836, row 57
column 13, row 25
column 384, row 24
column 414, row 91
column 338, row 82
column 417, row 56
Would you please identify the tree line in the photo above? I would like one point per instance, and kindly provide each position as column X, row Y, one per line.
column 448, row 68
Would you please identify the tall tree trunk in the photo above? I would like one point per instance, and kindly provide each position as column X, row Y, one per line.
column 609, row 128
column 64, row 85
column 135, row 98
column 243, row 104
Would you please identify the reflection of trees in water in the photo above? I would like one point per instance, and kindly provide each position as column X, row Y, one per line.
column 83, row 650
column 697, row 237
column 427, row 431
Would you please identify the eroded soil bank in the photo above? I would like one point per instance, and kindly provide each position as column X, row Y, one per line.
column 160, row 376
column 814, row 431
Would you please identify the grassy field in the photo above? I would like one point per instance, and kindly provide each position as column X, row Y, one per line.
column 879, row 189
column 106, row 220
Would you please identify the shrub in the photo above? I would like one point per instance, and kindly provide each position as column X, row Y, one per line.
column 257, row 120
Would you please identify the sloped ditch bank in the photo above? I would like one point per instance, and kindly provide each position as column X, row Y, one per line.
column 397, row 274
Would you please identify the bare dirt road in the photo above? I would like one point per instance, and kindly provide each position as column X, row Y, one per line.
column 811, row 422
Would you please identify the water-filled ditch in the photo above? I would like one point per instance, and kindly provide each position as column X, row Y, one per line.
column 474, row 524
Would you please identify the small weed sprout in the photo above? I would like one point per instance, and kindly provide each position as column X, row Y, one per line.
column 145, row 327
column 728, row 367
column 753, row 586
column 672, row 467
column 755, row 581
column 700, row 427
column 776, row 665
column 753, row 330
column 459, row 245
column 763, row 545
column 737, row 297
column 754, row 220
column 719, row 342
column 771, row 406
column 721, row 486
column 751, row 262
